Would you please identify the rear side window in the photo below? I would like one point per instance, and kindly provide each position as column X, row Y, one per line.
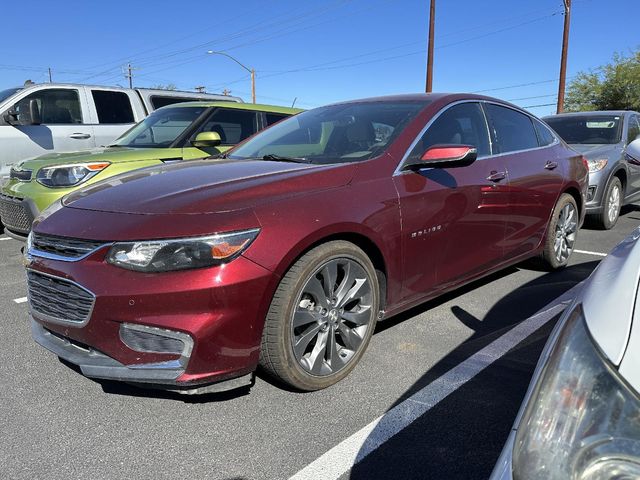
column 112, row 107
column 274, row 117
column 634, row 128
column 545, row 137
column 57, row 106
column 233, row 126
column 159, row 101
column 513, row 130
column 462, row 124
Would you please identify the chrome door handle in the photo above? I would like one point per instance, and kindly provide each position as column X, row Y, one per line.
column 497, row 176
column 80, row 136
column 550, row 165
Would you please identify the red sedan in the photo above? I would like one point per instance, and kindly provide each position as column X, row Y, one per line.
column 287, row 252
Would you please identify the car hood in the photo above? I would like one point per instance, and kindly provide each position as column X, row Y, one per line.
column 102, row 154
column 206, row 186
column 612, row 310
column 593, row 152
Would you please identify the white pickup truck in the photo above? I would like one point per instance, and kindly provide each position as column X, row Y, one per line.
column 51, row 117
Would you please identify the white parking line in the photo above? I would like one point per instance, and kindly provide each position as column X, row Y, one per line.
column 337, row 461
column 2, row 239
column 20, row 300
column 587, row 252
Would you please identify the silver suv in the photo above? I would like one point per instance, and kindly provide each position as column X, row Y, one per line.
column 602, row 137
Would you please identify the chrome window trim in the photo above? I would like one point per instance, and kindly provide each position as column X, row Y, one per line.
column 56, row 320
column 400, row 171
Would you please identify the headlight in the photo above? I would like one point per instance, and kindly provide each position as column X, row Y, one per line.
column 597, row 165
column 69, row 175
column 180, row 254
column 583, row 421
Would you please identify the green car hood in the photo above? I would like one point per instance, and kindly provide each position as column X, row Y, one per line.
column 103, row 154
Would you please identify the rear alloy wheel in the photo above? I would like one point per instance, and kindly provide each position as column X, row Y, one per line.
column 561, row 234
column 321, row 317
column 611, row 205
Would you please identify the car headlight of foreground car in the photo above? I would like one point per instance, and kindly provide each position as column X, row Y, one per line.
column 69, row 175
column 583, row 420
column 180, row 254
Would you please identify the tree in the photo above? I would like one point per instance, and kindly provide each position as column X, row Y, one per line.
column 168, row 86
column 614, row 86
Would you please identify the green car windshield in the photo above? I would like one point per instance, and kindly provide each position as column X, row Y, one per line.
column 161, row 128
column 340, row 133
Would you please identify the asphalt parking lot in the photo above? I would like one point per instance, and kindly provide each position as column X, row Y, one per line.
column 417, row 406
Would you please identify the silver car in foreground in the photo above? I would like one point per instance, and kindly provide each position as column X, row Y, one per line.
column 581, row 415
column 603, row 137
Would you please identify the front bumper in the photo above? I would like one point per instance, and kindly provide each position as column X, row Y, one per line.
column 221, row 308
column 95, row 364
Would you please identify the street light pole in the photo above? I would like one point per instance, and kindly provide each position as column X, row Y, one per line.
column 250, row 70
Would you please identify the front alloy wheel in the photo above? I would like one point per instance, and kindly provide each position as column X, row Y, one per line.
column 322, row 317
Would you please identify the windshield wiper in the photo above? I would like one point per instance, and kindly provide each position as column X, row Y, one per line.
column 280, row 158
column 115, row 145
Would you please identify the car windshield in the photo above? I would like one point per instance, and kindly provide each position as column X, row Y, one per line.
column 161, row 128
column 335, row 134
column 588, row 129
column 4, row 94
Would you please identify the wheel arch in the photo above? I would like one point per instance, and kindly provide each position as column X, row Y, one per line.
column 354, row 235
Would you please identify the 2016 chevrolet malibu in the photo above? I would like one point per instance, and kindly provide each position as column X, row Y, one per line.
column 287, row 252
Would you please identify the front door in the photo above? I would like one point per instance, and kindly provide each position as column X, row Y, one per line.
column 453, row 220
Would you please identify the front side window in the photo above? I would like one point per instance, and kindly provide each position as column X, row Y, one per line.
column 587, row 128
column 161, row 128
column 57, row 107
column 513, row 130
column 347, row 132
column 112, row 107
column 233, row 126
column 633, row 131
column 462, row 124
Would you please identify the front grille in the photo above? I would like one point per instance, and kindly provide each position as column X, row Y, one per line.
column 14, row 214
column 57, row 299
column 62, row 246
column 22, row 175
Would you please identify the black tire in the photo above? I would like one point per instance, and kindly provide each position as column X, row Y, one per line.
column 294, row 365
column 556, row 234
column 607, row 219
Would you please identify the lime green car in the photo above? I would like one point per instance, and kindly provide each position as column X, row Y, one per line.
column 176, row 132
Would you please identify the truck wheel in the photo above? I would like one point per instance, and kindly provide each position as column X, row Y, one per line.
column 321, row 317
column 611, row 205
column 561, row 234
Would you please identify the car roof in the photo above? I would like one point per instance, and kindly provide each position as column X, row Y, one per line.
column 592, row 112
column 234, row 105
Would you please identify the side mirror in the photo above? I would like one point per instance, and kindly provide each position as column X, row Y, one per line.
column 34, row 112
column 445, row 156
column 207, row 139
column 11, row 117
column 633, row 152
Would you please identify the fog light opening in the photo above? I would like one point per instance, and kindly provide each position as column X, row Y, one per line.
column 142, row 338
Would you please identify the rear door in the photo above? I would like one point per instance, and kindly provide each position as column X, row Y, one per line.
column 113, row 113
column 535, row 175
column 453, row 220
column 65, row 125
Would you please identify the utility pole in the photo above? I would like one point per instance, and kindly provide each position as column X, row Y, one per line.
column 432, row 17
column 563, row 60
column 129, row 74
column 50, row 81
column 226, row 92
column 200, row 89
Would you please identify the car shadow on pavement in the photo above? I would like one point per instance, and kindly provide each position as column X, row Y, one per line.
column 462, row 435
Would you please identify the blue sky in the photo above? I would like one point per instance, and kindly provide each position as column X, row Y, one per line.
column 316, row 52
